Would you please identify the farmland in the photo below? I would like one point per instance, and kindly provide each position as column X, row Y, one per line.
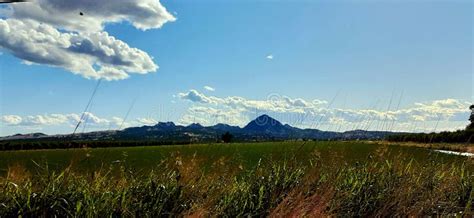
column 269, row 178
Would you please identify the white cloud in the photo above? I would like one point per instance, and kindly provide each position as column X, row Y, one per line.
column 91, row 55
column 208, row 116
column 298, row 102
column 449, row 113
column 208, row 88
column 70, row 120
column 146, row 121
column 52, row 119
column 450, row 109
column 195, row 96
column 275, row 103
column 269, row 57
column 51, row 32
column 446, row 114
column 12, row 119
column 65, row 14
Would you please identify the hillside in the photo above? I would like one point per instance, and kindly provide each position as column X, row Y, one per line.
column 262, row 128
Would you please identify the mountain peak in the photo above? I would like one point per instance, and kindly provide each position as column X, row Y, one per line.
column 165, row 124
column 265, row 123
column 264, row 116
column 267, row 119
column 226, row 127
column 195, row 125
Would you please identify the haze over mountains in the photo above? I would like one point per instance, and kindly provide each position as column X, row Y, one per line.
column 262, row 128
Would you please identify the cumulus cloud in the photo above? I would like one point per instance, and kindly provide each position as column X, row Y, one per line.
column 53, row 33
column 437, row 115
column 70, row 120
column 52, row 119
column 446, row 109
column 65, row 14
column 12, row 119
column 147, row 121
column 275, row 103
column 208, row 116
column 298, row 102
column 450, row 113
column 208, row 88
column 195, row 96
column 92, row 55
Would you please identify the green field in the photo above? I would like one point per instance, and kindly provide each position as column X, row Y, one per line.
column 237, row 179
column 147, row 158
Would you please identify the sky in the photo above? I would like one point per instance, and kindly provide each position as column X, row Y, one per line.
column 333, row 65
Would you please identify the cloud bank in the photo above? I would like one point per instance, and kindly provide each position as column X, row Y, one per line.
column 437, row 115
column 445, row 114
column 70, row 120
column 142, row 14
column 54, row 33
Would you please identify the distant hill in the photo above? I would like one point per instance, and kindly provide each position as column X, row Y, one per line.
column 266, row 124
column 24, row 136
column 262, row 128
column 225, row 128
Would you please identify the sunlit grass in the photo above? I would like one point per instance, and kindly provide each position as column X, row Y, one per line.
column 315, row 182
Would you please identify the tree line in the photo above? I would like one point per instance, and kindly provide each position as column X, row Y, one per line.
column 61, row 144
column 459, row 136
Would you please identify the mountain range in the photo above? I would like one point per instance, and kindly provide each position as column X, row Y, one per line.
column 262, row 128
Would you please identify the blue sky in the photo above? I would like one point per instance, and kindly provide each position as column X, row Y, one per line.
column 362, row 52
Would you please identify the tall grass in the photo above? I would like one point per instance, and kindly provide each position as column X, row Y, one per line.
column 382, row 185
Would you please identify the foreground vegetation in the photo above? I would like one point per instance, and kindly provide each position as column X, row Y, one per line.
column 306, row 180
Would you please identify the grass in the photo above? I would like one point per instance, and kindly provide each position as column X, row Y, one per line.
column 458, row 147
column 261, row 179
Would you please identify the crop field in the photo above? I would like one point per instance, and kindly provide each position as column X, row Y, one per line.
column 248, row 154
column 237, row 179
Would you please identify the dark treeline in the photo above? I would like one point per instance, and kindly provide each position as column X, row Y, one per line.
column 460, row 136
column 37, row 144
column 61, row 144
